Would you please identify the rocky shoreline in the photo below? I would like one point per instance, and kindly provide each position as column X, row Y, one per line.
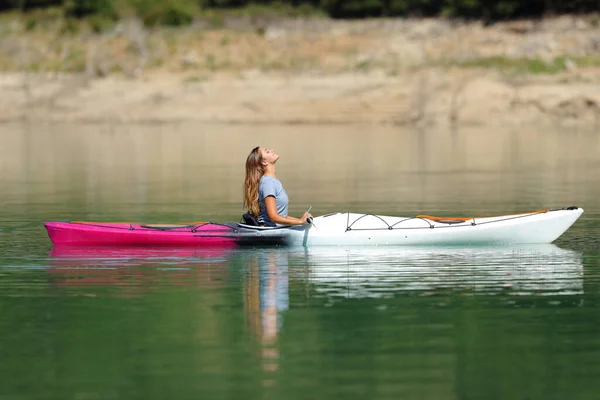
column 405, row 72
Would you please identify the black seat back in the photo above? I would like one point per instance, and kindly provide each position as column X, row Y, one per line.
column 250, row 219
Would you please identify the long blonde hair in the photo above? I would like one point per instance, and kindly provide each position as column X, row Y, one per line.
column 254, row 171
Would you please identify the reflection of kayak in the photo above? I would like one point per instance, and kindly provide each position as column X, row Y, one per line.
column 81, row 254
column 334, row 229
column 355, row 272
column 137, row 269
column 331, row 271
column 129, row 234
column 359, row 229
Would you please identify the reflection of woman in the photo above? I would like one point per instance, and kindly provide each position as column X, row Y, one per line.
column 267, row 297
column 264, row 196
column 273, row 292
column 266, row 290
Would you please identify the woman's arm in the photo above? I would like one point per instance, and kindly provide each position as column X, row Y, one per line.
column 271, row 206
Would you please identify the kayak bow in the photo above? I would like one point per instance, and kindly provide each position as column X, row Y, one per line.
column 129, row 234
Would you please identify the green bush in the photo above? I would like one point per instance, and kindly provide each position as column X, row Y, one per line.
column 30, row 24
column 172, row 12
column 83, row 8
column 100, row 24
column 177, row 16
column 70, row 26
column 353, row 8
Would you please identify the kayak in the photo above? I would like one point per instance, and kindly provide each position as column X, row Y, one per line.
column 130, row 234
column 350, row 229
column 337, row 229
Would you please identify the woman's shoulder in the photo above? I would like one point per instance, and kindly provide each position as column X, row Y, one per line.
column 269, row 185
column 269, row 179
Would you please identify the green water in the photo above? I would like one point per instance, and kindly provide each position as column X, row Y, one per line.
column 517, row 322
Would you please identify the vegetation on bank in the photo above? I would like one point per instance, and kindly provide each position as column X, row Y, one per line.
column 102, row 37
column 78, row 46
column 521, row 66
column 184, row 12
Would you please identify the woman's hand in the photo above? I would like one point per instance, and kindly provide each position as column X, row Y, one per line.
column 305, row 217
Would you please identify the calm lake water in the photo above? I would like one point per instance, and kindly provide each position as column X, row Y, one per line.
column 516, row 322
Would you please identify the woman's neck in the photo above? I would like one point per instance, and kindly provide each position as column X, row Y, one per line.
column 270, row 170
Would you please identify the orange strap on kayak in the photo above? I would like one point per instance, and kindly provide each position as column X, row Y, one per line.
column 432, row 218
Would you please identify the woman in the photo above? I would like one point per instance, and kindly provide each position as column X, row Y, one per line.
column 264, row 195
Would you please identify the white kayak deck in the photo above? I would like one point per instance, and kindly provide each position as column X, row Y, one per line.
column 543, row 226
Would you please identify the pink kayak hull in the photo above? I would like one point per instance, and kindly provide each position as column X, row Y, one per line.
column 123, row 234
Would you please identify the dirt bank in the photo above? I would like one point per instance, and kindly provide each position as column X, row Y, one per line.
column 380, row 71
column 426, row 97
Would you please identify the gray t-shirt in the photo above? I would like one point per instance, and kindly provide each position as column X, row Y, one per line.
column 270, row 186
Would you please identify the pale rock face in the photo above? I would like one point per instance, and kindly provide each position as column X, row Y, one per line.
column 190, row 59
column 484, row 97
column 406, row 51
column 274, row 34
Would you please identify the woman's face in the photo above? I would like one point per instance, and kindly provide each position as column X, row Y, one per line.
column 268, row 155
